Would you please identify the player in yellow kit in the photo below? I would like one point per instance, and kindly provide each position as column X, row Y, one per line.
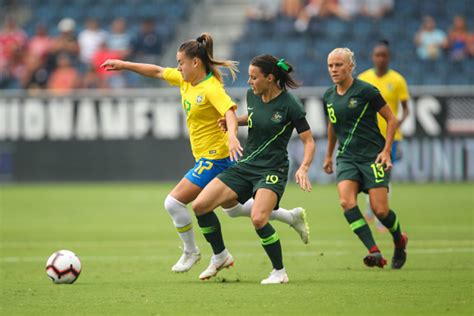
column 394, row 90
column 205, row 101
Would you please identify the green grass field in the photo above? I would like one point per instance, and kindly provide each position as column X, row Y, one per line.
column 127, row 245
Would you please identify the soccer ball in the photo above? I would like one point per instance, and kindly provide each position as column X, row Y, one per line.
column 63, row 267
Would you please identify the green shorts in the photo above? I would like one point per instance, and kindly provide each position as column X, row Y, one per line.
column 368, row 174
column 245, row 181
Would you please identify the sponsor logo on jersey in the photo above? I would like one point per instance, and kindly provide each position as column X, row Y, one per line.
column 276, row 117
column 390, row 87
column 352, row 103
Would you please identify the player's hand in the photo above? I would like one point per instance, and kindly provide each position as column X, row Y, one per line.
column 113, row 65
column 384, row 160
column 235, row 149
column 222, row 123
column 327, row 165
column 302, row 178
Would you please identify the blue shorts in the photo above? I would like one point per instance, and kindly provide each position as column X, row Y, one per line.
column 396, row 154
column 207, row 169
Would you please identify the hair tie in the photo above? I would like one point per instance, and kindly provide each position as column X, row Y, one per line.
column 281, row 64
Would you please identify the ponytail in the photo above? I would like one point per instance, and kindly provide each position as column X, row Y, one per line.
column 279, row 68
column 202, row 48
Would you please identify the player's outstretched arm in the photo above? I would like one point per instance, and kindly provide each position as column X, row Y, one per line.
column 301, row 175
column 235, row 148
column 327, row 165
column 147, row 70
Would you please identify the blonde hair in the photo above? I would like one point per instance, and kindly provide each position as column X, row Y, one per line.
column 202, row 47
column 347, row 53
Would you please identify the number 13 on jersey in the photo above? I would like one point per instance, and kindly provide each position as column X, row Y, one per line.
column 331, row 113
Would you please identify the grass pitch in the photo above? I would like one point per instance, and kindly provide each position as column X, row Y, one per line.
column 127, row 245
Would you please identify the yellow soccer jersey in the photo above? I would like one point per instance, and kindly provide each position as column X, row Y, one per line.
column 393, row 88
column 204, row 104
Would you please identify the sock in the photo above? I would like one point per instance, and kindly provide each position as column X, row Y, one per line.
column 271, row 244
column 360, row 228
column 391, row 222
column 211, row 228
column 183, row 222
column 281, row 215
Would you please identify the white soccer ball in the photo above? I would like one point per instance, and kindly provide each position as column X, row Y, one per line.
column 63, row 267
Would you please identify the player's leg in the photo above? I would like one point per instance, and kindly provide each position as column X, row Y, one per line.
column 214, row 194
column 379, row 201
column 175, row 203
column 348, row 190
column 296, row 217
column 265, row 202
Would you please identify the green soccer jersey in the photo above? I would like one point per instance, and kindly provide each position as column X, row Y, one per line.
column 354, row 117
column 270, row 126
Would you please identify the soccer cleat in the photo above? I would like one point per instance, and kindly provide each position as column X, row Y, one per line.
column 375, row 259
column 300, row 224
column 276, row 277
column 400, row 255
column 186, row 261
column 216, row 265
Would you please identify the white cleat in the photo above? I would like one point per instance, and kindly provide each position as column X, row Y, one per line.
column 186, row 261
column 276, row 277
column 216, row 265
column 300, row 224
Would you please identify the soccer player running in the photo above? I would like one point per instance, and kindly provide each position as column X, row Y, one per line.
column 363, row 160
column 204, row 101
column 394, row 90
column 262, row 172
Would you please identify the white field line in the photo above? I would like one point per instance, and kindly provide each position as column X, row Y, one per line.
column 151, row 243
column 427, row 251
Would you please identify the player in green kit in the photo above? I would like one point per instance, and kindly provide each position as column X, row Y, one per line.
column 363, row 160
column 262, row 171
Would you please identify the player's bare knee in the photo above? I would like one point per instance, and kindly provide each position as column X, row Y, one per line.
column 199, row 206
column 380, row 211
column 347, row 204
column 258, row 220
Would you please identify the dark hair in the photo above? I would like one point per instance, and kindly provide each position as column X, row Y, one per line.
column 280, row 68
column 202, row 48
column 383, row 42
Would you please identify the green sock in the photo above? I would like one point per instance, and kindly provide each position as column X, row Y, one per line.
column 211, row 228
column 392, row 224
column 360, row 228
column 271, row 244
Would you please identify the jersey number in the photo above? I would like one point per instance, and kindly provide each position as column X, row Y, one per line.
column 379, row 173
column 208, row 165
column 271, row 179
column 332, row 114
column 187, row 106
column 249, row 120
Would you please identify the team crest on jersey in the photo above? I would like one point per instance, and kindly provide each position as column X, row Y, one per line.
column 390, row 87
column 352, row 103
column 276, row 117
column 199, row 99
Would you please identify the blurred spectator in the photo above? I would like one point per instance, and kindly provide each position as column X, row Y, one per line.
column 40, row 44
column 291, row 8
column 377, row 8
column 470, row 45
column 147, row 44
column 114, row 79
column 12, row 39
column 265, row 10
column 430, row 41
column 16, row 69
column 65, row 78
column 118, row 39
column 315, row 8
column 36, row 76
column 65, row 43
column 458, row 38
column 89, row 40
column 349, row 8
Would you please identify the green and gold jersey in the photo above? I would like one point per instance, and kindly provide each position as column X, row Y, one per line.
column 270, row 126
column 354, row 117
